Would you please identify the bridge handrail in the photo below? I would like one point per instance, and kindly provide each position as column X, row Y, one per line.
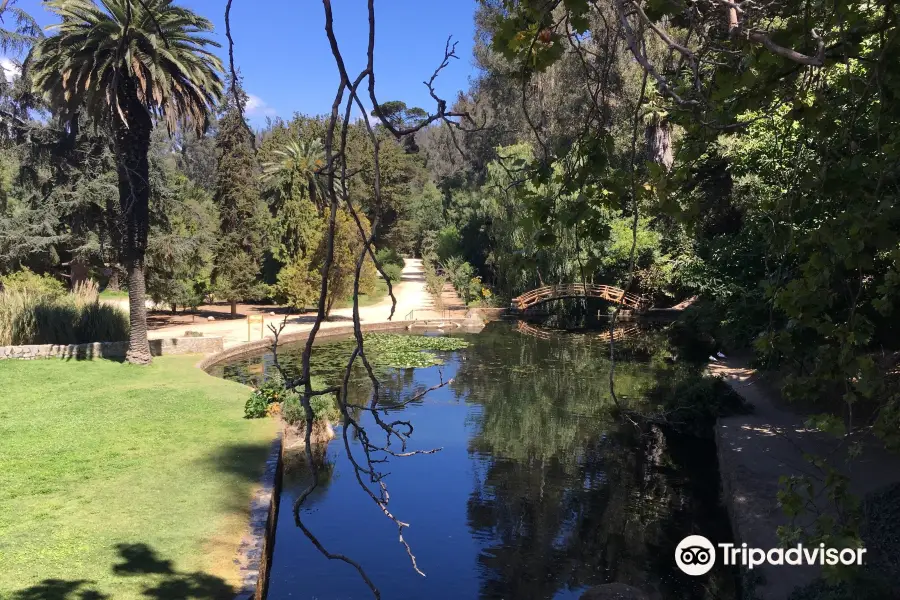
column 563, row 290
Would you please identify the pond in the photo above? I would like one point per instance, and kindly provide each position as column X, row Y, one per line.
column 537, row 492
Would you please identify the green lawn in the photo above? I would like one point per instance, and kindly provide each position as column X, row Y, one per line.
column 366, row 299
column 113, row 294
column 130, row 481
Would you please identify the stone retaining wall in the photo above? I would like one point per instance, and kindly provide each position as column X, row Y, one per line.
column 255, row 552
column 161, row 347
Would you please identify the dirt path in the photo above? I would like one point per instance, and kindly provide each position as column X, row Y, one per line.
column 756, row 449
column 413, row 303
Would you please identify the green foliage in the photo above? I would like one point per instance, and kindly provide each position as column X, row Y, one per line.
column 462, row 276
column 243, row 216
column 298, row 285
column 27, row 317
column 393, row 272
column 255, row 407
column 82, row 66
column 27, row 282
column 446, row 243
column 389, row 256
column 180, row 251
column 408, row 351
column 324, row 407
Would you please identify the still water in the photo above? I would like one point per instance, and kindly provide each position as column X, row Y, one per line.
column 537, row 492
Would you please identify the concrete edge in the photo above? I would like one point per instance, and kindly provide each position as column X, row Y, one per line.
column 329, row 334
column 255, row 552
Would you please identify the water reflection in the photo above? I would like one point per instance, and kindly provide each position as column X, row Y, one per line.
column 538, row 492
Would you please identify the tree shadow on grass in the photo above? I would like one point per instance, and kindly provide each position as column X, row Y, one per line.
column 163, row 581
column 247, row 461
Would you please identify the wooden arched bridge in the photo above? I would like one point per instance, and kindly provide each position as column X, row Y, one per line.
column 581, row 290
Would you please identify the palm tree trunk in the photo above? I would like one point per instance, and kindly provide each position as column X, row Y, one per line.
column 132, row 142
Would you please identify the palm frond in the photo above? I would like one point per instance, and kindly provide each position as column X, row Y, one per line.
column 102, row 48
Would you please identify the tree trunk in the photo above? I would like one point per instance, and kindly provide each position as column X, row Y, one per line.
column 132, row 141
column 113, row 284
column 659, row 141
column 233, row 308
column 78, row 271
column 138, row 345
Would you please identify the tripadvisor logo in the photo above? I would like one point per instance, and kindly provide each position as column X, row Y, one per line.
column 696, row 555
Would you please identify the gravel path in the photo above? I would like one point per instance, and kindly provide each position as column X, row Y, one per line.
column 413, row 303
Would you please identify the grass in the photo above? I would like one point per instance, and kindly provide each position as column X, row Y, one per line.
column 366, row 299
column 124, row 480
column 113, row 294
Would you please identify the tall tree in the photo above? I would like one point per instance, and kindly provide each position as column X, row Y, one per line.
column 24, row 31
column 243, row 215
column 125, row 64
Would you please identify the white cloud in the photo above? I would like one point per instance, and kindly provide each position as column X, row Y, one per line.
column 10, row 69
column 257, row 107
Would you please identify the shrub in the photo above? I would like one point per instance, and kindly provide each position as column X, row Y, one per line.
column 461, row 273
column 324, row 407
column 393, row 272
column 256, row 406
column 27, row 282
column 98, row 322
column 29, row 317
column 389, row 256
column 434, row 283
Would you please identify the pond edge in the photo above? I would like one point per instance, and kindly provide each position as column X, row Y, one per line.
column 255, row 552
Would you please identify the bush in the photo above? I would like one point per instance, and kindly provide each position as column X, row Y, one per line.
column 434, row 283
column 393, row 272
column 297, row 284
column 97, row 322
column 256, row 406
column 272, row 392
column 389, row 256
column 32, row 317
column 27, row 282
column 324, row 407
column 461, row 274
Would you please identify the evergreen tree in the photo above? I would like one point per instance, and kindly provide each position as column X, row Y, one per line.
column 242, row 214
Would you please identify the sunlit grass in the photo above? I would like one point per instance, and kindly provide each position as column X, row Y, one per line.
column 98, row 454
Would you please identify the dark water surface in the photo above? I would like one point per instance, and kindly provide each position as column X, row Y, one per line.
column 537, row 493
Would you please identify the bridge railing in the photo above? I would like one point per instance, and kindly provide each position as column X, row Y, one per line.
column 568, row 290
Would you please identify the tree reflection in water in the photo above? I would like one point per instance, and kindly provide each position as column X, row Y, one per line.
column 567, row 496
column 539, row 492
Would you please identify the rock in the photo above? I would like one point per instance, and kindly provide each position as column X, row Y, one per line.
column 614, row 591
column 210, row 318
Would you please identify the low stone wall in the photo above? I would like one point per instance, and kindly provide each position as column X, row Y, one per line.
column 330, row 333
column 255, row 552
column 160, row 347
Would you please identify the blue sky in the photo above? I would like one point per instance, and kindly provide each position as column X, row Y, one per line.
column 283, row 54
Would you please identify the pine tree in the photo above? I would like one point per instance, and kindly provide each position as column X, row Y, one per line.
column 242, row 213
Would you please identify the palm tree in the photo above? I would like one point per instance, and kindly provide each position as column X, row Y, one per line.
column 126, row 63
column 296, row 161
